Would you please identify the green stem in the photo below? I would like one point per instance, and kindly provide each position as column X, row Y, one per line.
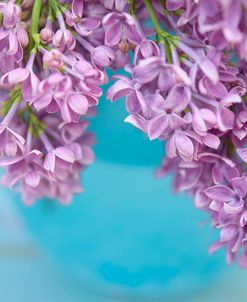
column 35, row 126
column 53, row 4
column 37, row 6
column 153, row 17
column 163, row 36
column 35, row 16
column 50, row 13
column 132, row 7
column 15, row 97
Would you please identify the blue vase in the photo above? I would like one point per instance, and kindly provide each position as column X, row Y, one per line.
column 128, row 234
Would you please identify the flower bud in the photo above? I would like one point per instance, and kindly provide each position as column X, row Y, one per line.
column 64, row 39
column 23, row 36
column 46, row 35
column 53, row 58
column 103, row 56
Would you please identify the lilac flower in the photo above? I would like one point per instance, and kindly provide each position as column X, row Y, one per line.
column 9, row 138
column 206, row 65
column 60, row 157
column 169, row 118
column 25, row 168
column 84, row 26
column 39, row 83
column 155, row 67
column 184, row 143
column 70, row 132
column 221, row 19
column 56, row 94
column 230, row 198
column 118, row 24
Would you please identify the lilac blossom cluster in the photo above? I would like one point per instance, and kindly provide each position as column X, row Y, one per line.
column 186, row 86
column 50, row 84
column 53, row 59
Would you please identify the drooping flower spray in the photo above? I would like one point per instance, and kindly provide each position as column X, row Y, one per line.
column 189, row 89
column 186, row 62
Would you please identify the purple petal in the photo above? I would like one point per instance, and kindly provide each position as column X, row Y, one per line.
column 209, row 69
column 49, row 162
column 132, row 104
column 201, row 200
column 14, row 77
column 65, row 112
column 118, row 90
column 16, row 135
column 215, row 247
column 239, row 185
column 176, row 121
column 78, row 103
column 86, row 26
column 211, row 140
column 243, row 219
column 182, row 75
column 230, row 172
column 103, row 56
column 30, row 86
column 77, row 7
column 32, row 179
column 42, row 102
column 171, row 148
column 217, row 174
column 234, row 207
column 64, row 154
column 228, row 233
column 198, row 123
column 12, row 161
column 178, row 98
column 185, row 147
column 220, row 193
column 132, row 34
column 157, row 126
column 225, row 119
column 88, row 156
column 208, row 115
column 231, row 99
column 242, row 152
column 147, row 70
column 217, row 90
column 137, row 121
column 113, row 34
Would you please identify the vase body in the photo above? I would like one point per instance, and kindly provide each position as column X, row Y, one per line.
column 128, row 234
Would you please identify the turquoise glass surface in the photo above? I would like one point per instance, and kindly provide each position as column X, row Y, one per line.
column 128, row 234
